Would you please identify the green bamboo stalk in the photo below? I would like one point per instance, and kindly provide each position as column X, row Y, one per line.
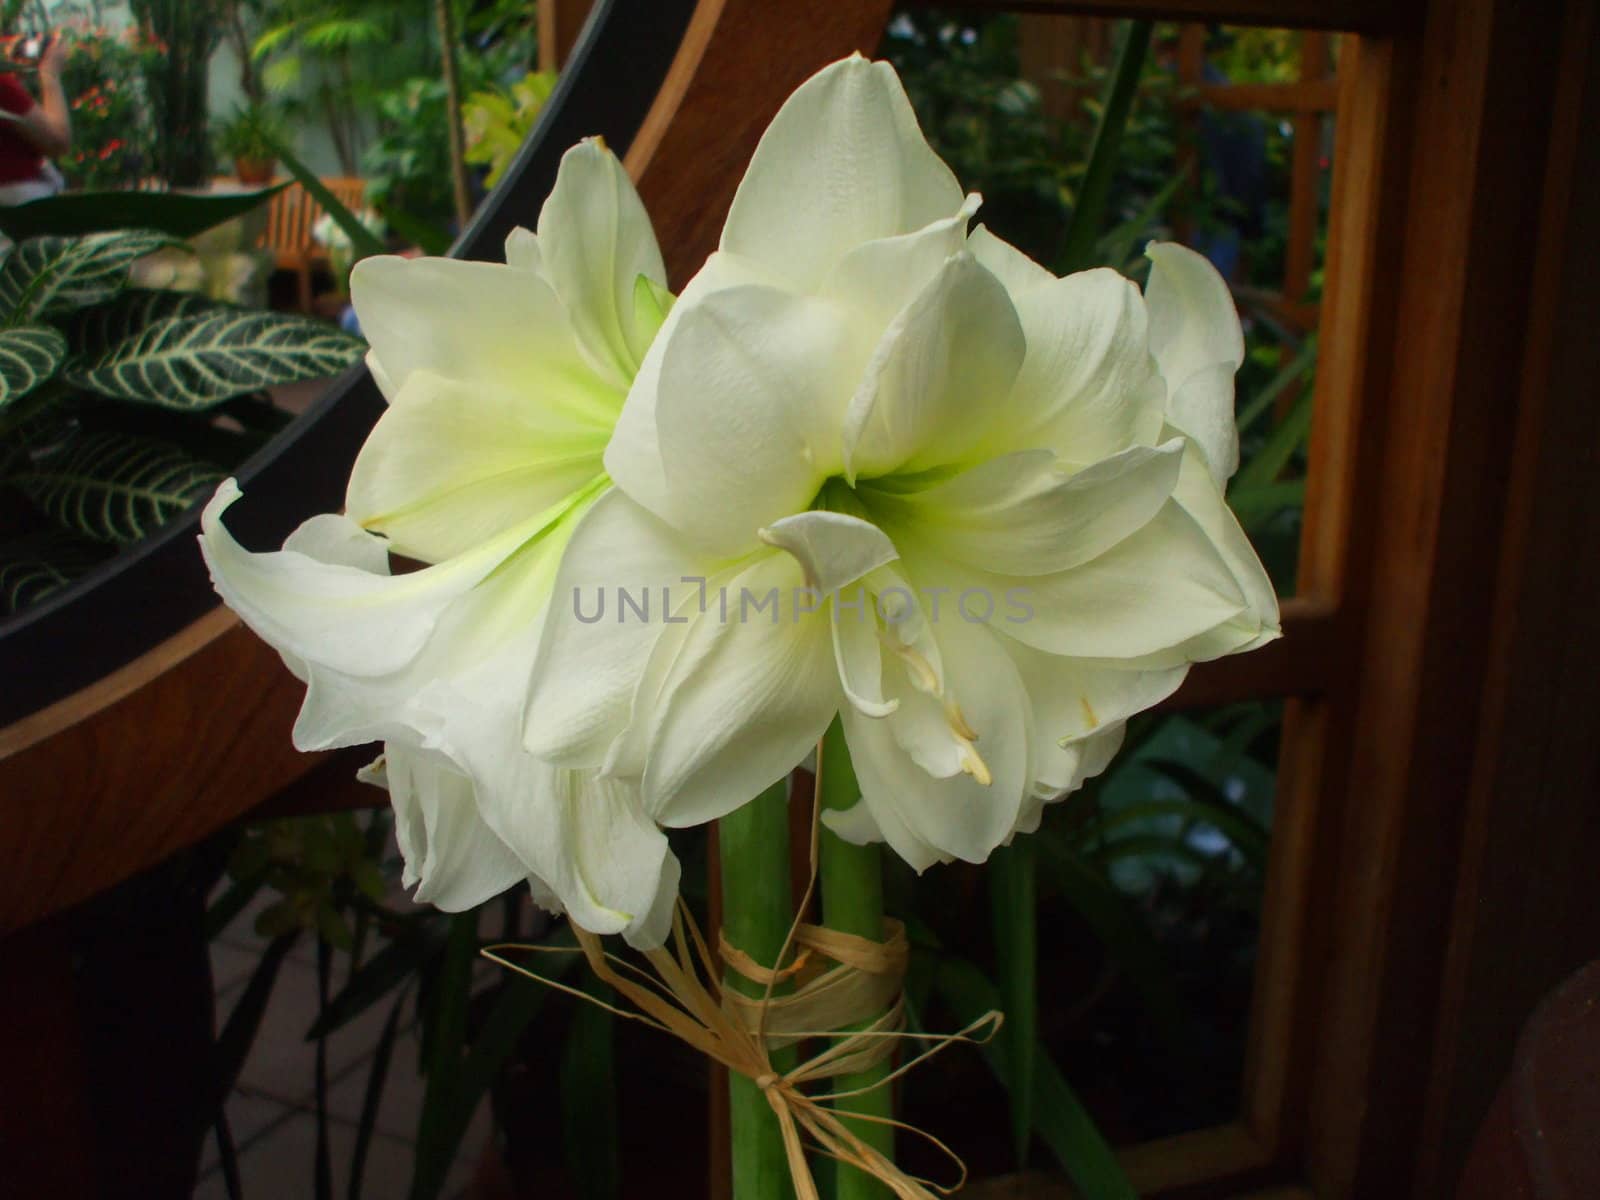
column 852, row 902
column 757, row 910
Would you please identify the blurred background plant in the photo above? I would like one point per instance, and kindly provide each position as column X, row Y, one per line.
column 185, row 33
column 499, row 119
column 249, row 139
column 104, row 78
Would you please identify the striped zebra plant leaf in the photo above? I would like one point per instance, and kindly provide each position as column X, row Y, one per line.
column 32, row 567
column 48, row 275
column 116, row 487
column 28, row 356
column 94, row 331
column 196, row 362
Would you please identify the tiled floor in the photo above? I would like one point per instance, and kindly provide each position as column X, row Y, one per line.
column 272, row 1111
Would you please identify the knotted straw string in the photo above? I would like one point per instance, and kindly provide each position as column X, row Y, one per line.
column 685, row 999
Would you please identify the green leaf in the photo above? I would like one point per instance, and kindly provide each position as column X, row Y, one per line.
column 1013, row 905
column 93, row 331
column 1125, row 936
column 194, row 362
column 1116, row 248
column 377, row 1074
column 116, row 487
column 28, row 356
column 589, row 1098
column 1282, row 444
column 47, row 275
column 32, row 567
column 388, row 969
column 1059, row 1117
column 221, row 912
column 233, row 1044
column 1290, row 373
column 446, row 1036
column 425, row 235
column 1255, row 505
column 177, row 214
column 1205, row 805
column 516, row 1006
column 1088, row 214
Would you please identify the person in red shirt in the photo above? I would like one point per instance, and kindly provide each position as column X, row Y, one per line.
column 31, row 133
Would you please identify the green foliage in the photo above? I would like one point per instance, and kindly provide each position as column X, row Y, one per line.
column 34, row 566
column 963, row 76
column 47, row 276
column 407, row 165
column 115, row 487
column 176, row 214
column 498, row 120
column 121, row 408
column 252, row 132
column 196, row 362
column 28, row 356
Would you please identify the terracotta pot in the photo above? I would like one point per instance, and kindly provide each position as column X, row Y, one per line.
column 255, row 170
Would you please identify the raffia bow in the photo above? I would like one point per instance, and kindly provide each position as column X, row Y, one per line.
column 839, row 980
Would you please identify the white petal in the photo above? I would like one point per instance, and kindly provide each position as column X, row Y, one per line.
column 1076, row 702
column 477, row 323
column 1201, row 499
column 523, row 252
column 857, row 826
column 842, row 163
column 1026, row 514
column 595, row 241
column 1147, row 595
column 594, row 649
column 1011, row 266
column 450, row 465
column 1088, row 387
column 328, row 537
column 836, row 550
column 344, row 616
column 365, row 641
column 633, row 458
column 943, row 367
column 922, row 817
column 1197, row 342
column 585, row 839
column 858, row 655
column 747, row 412
column 455, row 861
column 746, row 698
column 879, row 278
column 833, row 549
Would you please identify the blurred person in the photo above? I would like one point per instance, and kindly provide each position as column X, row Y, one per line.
column 32, row 132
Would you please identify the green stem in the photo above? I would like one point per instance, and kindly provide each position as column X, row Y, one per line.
column 852, row 902
column 1013, row 903
column 757, row 910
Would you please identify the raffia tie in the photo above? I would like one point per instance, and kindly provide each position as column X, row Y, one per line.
column 839, row 980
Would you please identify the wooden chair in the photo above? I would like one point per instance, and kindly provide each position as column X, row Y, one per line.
column 291, row 214
column 1437, row 772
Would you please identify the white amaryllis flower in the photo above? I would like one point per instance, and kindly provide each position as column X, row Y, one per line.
column 874, row 467
column 503, row 383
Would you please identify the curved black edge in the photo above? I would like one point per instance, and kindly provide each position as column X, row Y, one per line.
column 156, row 587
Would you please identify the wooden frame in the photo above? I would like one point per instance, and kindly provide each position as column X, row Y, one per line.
column 1428, row 693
